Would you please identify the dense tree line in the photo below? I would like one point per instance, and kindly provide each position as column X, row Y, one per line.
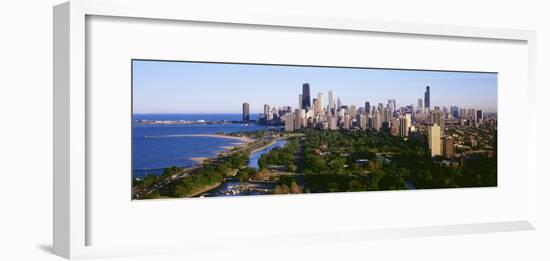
column 210, row 174
column 371, row 160
column 281, row 156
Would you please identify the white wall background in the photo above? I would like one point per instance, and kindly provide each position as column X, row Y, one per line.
column 26, row 130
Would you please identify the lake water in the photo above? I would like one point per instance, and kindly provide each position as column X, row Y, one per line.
column 155, row 147
column 254, row 157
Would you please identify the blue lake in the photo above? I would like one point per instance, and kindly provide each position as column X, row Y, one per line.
column 154, row 147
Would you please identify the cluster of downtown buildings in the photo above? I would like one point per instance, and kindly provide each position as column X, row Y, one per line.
column 402, row 121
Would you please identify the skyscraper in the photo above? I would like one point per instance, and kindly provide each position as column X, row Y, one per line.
column 427, row 97
column 289, row 122
column 367, row 108
column 363, row 121
column 315, row 106
column 319, row 102
column 479, row 116
column 472, row 115
column 437, row 117
column 434, row 140
column 306, row 98
column 386, row 114
column 331, row 108
column 376, row 121
column 352, row 111
column 420, row 105
column 297, row 119
column 404, row 125
column 246, row 112
column 346, row 121
column 393, row 106
column 332, row 124
column 267, row 113
column 300, row 101
column 455, row 112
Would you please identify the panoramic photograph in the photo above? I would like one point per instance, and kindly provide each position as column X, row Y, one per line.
column 207, row 129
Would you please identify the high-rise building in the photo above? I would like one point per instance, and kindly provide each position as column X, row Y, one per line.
column 338, row 104
column 300, row 100
column 367, row 108
column 246, row 112
column 463, row 113
column 386, row 114
column 404, row 125
column 363, row 121
column 332, row 124
column 315, row 106
column 479, row 116
column 393, row 106
column 427, row 98
column 319, row 102
column 297, row 119
column 267, row 113
column 289, row 122
column 274, row 113
column 377, row 120
column 434, row 140
column 352, row 111
column 445, row 111
column 420, row 105
column 437, row 117
column 448, row 147
column 331, row 108
column 346, row 121
column 306, row 98
column 455, row 112
column 395, row 127
column 472, row 115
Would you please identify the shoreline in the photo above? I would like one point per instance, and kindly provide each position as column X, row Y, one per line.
column 199, row 160
column 243, row 141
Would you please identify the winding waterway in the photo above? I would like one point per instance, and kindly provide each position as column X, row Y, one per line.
column 255, row 156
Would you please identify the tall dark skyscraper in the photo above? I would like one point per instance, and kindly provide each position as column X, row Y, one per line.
column 367, row 107
column 479, row 116
column 246, row 112
column 427, row 97
column 455, row 111
column 306, row 97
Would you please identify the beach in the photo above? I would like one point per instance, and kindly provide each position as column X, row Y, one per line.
column 241, row 141
column 199, row 160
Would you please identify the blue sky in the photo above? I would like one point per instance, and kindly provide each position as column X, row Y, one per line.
column 189, row 87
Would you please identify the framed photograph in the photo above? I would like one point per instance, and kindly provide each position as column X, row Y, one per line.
column 209, row 132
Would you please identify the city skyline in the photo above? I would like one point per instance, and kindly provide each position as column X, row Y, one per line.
column 193, row 87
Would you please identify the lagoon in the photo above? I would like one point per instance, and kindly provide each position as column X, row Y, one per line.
column 255, row 156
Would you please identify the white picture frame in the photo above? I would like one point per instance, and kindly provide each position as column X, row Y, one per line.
column 71, row 198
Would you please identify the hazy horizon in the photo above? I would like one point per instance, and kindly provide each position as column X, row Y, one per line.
column 173, row 87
